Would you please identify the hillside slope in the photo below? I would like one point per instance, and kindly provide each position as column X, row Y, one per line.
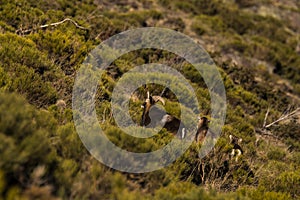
column 255, row 45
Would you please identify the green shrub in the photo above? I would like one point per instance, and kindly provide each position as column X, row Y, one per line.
column 24, row 134
column 261, row 193
column 5, row 28
column 63, row 47
column 236, row 43
column 238, row 21
column 276, row 154
column 246, row 3
column 5, row 81
column 15, row 49
column 186, row 7
column 136, row 18
column 210, row 25
column 207, row 7
column 289, row 182
column 175, row 23
column 19, row 13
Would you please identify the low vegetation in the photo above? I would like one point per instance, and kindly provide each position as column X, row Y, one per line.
column 257, row 54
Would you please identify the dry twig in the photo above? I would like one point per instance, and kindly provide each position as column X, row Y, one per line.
column 27, row 31
column 284, row 116
column 266, row 117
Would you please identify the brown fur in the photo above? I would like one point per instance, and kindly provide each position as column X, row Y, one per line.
column 171, row 123
column 202, row 129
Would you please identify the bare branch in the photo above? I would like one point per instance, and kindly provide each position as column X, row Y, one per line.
column 27, row 31
column 266, row 117
column 284, row 117
column 163, row 92
column 286, row 111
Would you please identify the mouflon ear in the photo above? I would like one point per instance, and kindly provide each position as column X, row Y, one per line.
column 231, row 138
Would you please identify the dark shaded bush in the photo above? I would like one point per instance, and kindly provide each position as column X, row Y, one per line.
column 246, row 3
column 25, row 147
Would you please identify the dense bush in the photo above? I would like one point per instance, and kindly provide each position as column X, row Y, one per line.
column 26, row 152
column 42, row 156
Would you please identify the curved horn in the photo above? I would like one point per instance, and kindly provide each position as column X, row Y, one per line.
column 158, row 98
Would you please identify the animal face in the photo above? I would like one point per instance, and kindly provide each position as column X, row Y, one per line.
column 237, row 149
column 234, row 139
column 202, row 129
column 203, row 122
